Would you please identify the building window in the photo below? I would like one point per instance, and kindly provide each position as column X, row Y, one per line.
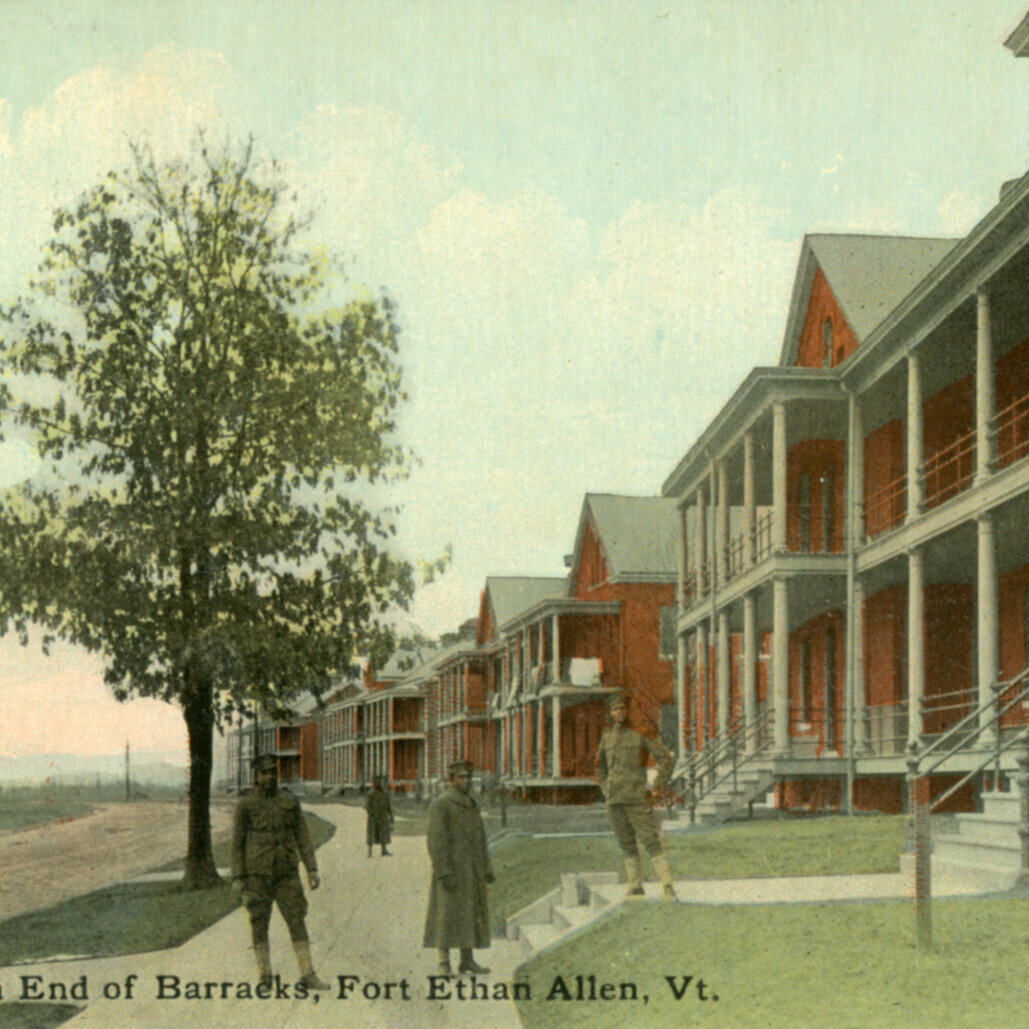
column 827, row 525
column 804, row 513
column 805, row 680
column 830, row 685
column 827, row 343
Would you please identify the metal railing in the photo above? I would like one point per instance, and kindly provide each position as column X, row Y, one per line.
column 886, row 507
column 950, row 470
column 723, row 756
column 1012, row 428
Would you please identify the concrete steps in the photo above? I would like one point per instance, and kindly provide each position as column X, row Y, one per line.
column 981, row 847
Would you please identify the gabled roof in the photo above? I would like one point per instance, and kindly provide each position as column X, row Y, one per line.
column 868, row 276
column 509, row 596
column 637, row 535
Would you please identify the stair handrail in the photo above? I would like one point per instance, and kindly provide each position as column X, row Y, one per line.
column 730, row 742
column 957, row 739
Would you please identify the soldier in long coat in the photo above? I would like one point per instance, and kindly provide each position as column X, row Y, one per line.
column 458, row 913
column 269, row 837
column 622, row 770
column 380, row 817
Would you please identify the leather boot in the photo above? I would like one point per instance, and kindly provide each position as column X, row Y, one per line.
column 444, row 961
column 664, row 873
column 468, row 965
column 263, row 957
column 308, row 976
column 634, row 877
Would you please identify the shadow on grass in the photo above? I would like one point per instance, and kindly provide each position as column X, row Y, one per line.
column 127, row 918
column 34, row 1015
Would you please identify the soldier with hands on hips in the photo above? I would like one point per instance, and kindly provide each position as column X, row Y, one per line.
column 269, row 837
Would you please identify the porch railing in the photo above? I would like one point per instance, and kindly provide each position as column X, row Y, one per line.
column 950, row 470
column 723, row 757
column 1012, row 426
column 886, row 507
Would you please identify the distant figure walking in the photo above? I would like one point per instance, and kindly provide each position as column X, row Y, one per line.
column 380, row 817
column 458, row 914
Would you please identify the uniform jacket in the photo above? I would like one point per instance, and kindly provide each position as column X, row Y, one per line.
column 457, row 846
column 380, row 816
column 622, row 765
column 269, row 836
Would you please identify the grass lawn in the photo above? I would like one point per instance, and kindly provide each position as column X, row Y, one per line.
column 21, row 813
column 35, row 1014
column 526, row 868
column 127, row 918
column 121, row 919
column 802, row 966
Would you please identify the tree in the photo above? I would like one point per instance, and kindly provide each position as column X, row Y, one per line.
column 211, row 422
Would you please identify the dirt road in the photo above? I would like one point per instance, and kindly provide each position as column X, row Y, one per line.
column 45, row 864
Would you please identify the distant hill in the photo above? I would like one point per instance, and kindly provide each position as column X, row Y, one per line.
column 147, row 768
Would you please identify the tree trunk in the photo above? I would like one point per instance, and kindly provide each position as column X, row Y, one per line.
column 201, row 872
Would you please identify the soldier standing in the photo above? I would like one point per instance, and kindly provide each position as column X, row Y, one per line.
column 380, row 817
column 268, row 835
column 458, row 913
column 622, row 770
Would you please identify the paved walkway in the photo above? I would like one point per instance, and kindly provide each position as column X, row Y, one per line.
column 365, row 921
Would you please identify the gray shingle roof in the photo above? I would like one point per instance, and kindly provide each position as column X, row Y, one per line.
column 638, row 534
column 870, row 275
column 509, row 596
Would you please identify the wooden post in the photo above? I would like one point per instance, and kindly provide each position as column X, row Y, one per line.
column 920, row 801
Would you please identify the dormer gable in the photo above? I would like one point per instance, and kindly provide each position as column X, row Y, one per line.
column 591, row 568
column 845, row 286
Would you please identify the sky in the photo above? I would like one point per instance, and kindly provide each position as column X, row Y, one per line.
column 588, row 213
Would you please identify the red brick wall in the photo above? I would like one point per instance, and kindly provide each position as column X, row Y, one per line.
column 592, row 569
column 949, row 625
column 821, row 307
column 308, row 745
column 816, row 634
column 884, row 464
column 822, row 461
column 885, row 618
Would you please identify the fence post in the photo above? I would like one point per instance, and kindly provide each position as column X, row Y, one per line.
column 1023, row 787
column 918, row 786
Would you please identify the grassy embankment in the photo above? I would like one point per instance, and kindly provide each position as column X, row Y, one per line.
column 127, row 918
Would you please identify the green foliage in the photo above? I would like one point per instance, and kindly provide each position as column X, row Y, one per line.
column 210, row 406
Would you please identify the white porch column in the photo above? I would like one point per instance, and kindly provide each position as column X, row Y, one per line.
column 857, row 693
column 985, row 389
column 714, row 543
column 748, row 660
column 555, row 737
column 723, row 669
column 701, row 686
column 915, row 439
column 682, row 733
column 749, row 507
column 681, row 552
column 857, row 458
column 557, row 648
column 700, row 553
column 988, row 635
column 778, row 477
column 781, row 664
column 916, row 643
column 722, row 555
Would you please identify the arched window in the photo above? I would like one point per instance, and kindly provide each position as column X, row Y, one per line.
column 827, row 343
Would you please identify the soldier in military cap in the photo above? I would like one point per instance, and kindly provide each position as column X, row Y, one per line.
column 268, row 835
column 379, row 822
column 622, row 770
column 458, row 913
